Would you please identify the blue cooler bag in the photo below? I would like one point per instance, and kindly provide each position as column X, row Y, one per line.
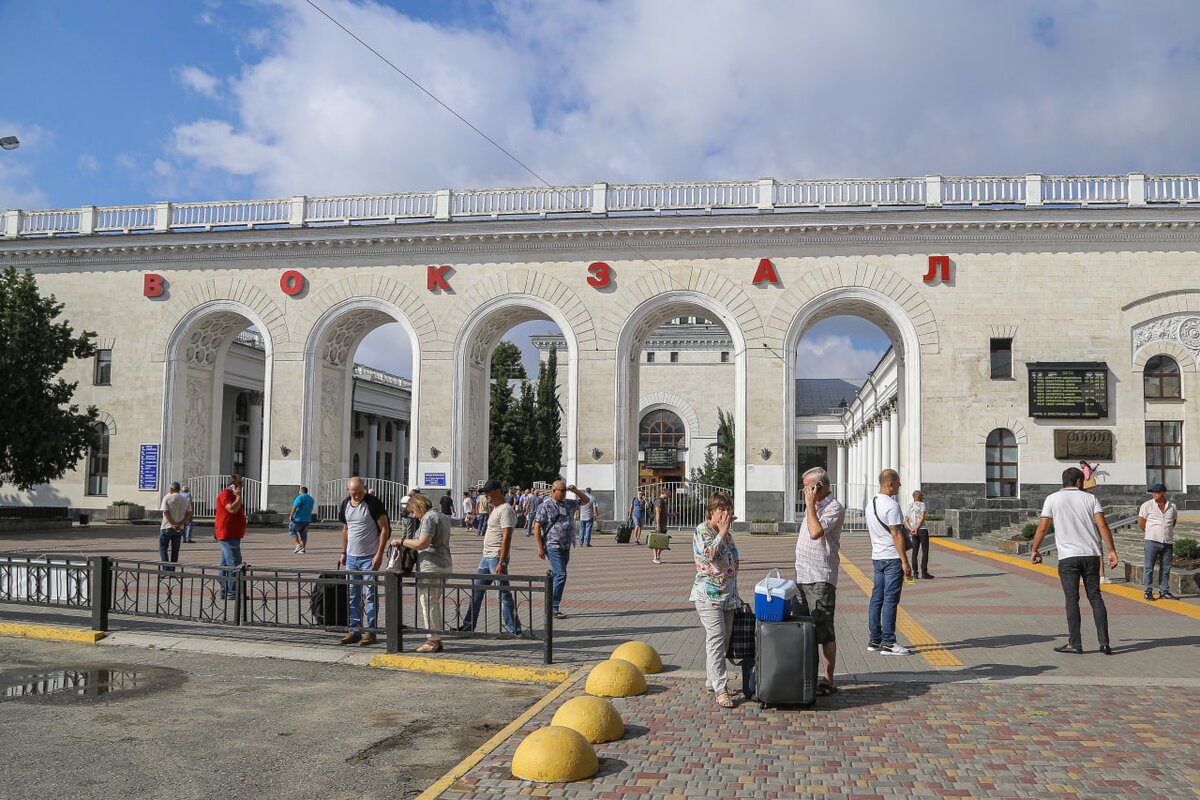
column 773, row 597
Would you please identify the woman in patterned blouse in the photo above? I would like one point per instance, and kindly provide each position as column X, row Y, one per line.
column 715, row 589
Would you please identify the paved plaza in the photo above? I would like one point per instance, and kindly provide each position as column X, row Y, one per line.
column 984, row 708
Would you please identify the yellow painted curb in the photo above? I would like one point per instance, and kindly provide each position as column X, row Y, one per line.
column 463, row 767
column 52, row 632
column 928, row 647
column 471, row 669
column 1126, row 592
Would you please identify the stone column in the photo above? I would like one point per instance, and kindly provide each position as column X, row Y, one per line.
column 254, row 438
column 372, row 447
column 876, row 452
column 398, row 472
column 888, row 459
column 895, row 412
column 842, row 455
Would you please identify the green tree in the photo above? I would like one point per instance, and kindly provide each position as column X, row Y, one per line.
column 502, row 429
column 549, row 421
column 42, row 434
column 718, row 470
column 524, row 421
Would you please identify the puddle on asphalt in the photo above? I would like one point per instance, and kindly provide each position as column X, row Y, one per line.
column 81, row 682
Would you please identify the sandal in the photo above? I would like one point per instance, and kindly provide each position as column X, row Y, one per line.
column 825, row 688
column 724, row 700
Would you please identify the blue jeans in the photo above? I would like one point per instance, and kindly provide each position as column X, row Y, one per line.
column 299, row 530
column 168, row 545
column 357, row 587
column 558, row 558
column 187, row 531
column 885, row 598
column 487, row 566
column 1157, row 554
column 231, row 556
column 585, row 531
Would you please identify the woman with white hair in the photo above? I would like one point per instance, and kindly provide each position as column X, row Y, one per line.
column 432, row 543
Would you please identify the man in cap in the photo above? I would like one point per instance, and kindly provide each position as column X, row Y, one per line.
column 497, row 542
column 1157, row 517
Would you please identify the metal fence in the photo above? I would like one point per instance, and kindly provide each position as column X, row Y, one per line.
column 273, row 597
column 687, row 503
column 205, row 489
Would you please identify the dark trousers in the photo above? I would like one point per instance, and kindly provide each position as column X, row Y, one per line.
column 921, row 546
column 1070, row 572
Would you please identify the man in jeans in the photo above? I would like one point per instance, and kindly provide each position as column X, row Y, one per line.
column 587, row 518
column 552, row 527
column 176, row 509
column 229, row 528
column 497, row 540
column 365, row 534
column 1079, row 527
column 885, row 522
column 915, row 522
column 1157, row 517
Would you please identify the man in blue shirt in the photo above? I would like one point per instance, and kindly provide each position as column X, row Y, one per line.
column 301, row 516
column 553, row 526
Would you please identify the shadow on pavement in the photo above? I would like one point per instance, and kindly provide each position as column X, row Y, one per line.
column 1154, row 644
column 993, row 642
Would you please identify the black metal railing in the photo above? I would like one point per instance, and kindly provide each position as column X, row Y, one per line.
column 285, row 598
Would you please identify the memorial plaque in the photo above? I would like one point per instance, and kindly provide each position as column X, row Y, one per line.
column 1071, row 390
column 1076, row 444
column 661, row 458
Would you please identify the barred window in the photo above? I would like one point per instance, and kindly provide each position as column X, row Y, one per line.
column 1161, row 379
column 1001, row 452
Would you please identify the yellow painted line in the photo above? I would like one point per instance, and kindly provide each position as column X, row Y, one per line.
column 463, row 767
column 929, row 648
column 1128, row 592
column 471, row 669
column 52, row 632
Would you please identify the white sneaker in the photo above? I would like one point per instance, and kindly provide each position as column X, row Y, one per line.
column 301, row 551
column 296, row 549
column 656, row 561
column 895, row 650
column 1106, row 580
column 872, row 647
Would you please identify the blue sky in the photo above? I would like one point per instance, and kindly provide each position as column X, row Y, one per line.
column 136, row 101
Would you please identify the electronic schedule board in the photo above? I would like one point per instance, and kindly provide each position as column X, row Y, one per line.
column 1069, row 389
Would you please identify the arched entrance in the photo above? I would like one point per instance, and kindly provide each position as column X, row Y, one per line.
column 630, row 343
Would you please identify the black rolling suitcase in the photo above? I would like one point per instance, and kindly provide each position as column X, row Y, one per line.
column 785, row 662
column 624, row 534
column 330, row 602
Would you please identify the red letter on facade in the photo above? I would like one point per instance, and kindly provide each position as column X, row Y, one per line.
column 938, row 264
column 765, row 272
column 292, row 283
column 599, row 275
column 152, row 285
column 436, row 278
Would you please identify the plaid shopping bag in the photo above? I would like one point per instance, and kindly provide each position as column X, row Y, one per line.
column 741, row 637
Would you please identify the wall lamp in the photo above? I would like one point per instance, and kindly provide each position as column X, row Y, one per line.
column 596, row 453
column 10, row 142
column 434, row 452
column 284, row 450
column 765, row 453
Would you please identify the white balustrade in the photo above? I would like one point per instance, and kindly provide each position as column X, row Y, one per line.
column 763, row 195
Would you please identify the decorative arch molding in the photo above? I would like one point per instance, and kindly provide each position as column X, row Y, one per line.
column 345, row 293
column 671, row 402
column 570, row 311
column 879, row 280
column 696, row 280
column 230, row 292
column 1019, row 432
column 109, row 421
column 1183, row 357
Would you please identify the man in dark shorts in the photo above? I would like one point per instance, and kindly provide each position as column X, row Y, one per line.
column 818, row 558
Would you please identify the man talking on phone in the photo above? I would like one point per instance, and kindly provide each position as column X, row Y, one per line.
column 229, row 528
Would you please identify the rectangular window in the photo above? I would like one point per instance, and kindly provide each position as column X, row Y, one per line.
column 674, row 358
column 1164, row 454
column 1002, row 359
column 650, row 357
column 102, row 373
column 725, row 357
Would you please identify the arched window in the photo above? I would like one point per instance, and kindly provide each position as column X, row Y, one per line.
column 97, row 464
column 1001, row 463
column 662, row 428
column 1161, row 378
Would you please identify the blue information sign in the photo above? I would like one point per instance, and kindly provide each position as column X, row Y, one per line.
column 148, row 468
column 434, row 479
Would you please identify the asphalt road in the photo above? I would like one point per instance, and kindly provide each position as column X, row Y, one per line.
column 184, row 725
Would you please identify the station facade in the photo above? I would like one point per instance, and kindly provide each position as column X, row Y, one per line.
column 1034, row 322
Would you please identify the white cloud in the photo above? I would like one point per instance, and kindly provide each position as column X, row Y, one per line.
column 834, row 357
column 200, row 81
column 672, row 90
column 88, row 164
column 18, row 182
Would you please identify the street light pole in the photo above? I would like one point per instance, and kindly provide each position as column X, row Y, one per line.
column 10, row 142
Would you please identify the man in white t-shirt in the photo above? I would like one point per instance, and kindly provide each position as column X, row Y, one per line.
column 497, row 541
column 176, row 510
column 885, row 523
column 1157, row 517
column 1079, row 527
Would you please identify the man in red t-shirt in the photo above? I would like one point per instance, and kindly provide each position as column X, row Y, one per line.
column 229, row 528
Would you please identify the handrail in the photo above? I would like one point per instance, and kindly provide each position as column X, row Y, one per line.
column 1115, row 524
column 767, row 195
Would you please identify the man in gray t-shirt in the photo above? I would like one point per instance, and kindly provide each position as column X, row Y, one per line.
column 1079, row 527
column 365, row 534
column 497, row 540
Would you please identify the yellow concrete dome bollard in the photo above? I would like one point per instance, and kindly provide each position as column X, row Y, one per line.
column 641, row 655
column 555, row 755
column 594, row 717
column 616, row 677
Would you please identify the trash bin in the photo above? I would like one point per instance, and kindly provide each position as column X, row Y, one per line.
column 85, row 520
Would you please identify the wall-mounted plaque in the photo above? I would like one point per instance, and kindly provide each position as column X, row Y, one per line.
column 1075, row 444
column 1070, row 390
column 661, row 458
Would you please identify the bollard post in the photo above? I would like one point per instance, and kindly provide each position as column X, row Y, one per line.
column 391, row 610
column 98, row 567
column 548, row 657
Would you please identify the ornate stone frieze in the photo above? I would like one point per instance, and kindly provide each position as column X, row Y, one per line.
column 1180, row 329
column 208, row 336
column 196, row 418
